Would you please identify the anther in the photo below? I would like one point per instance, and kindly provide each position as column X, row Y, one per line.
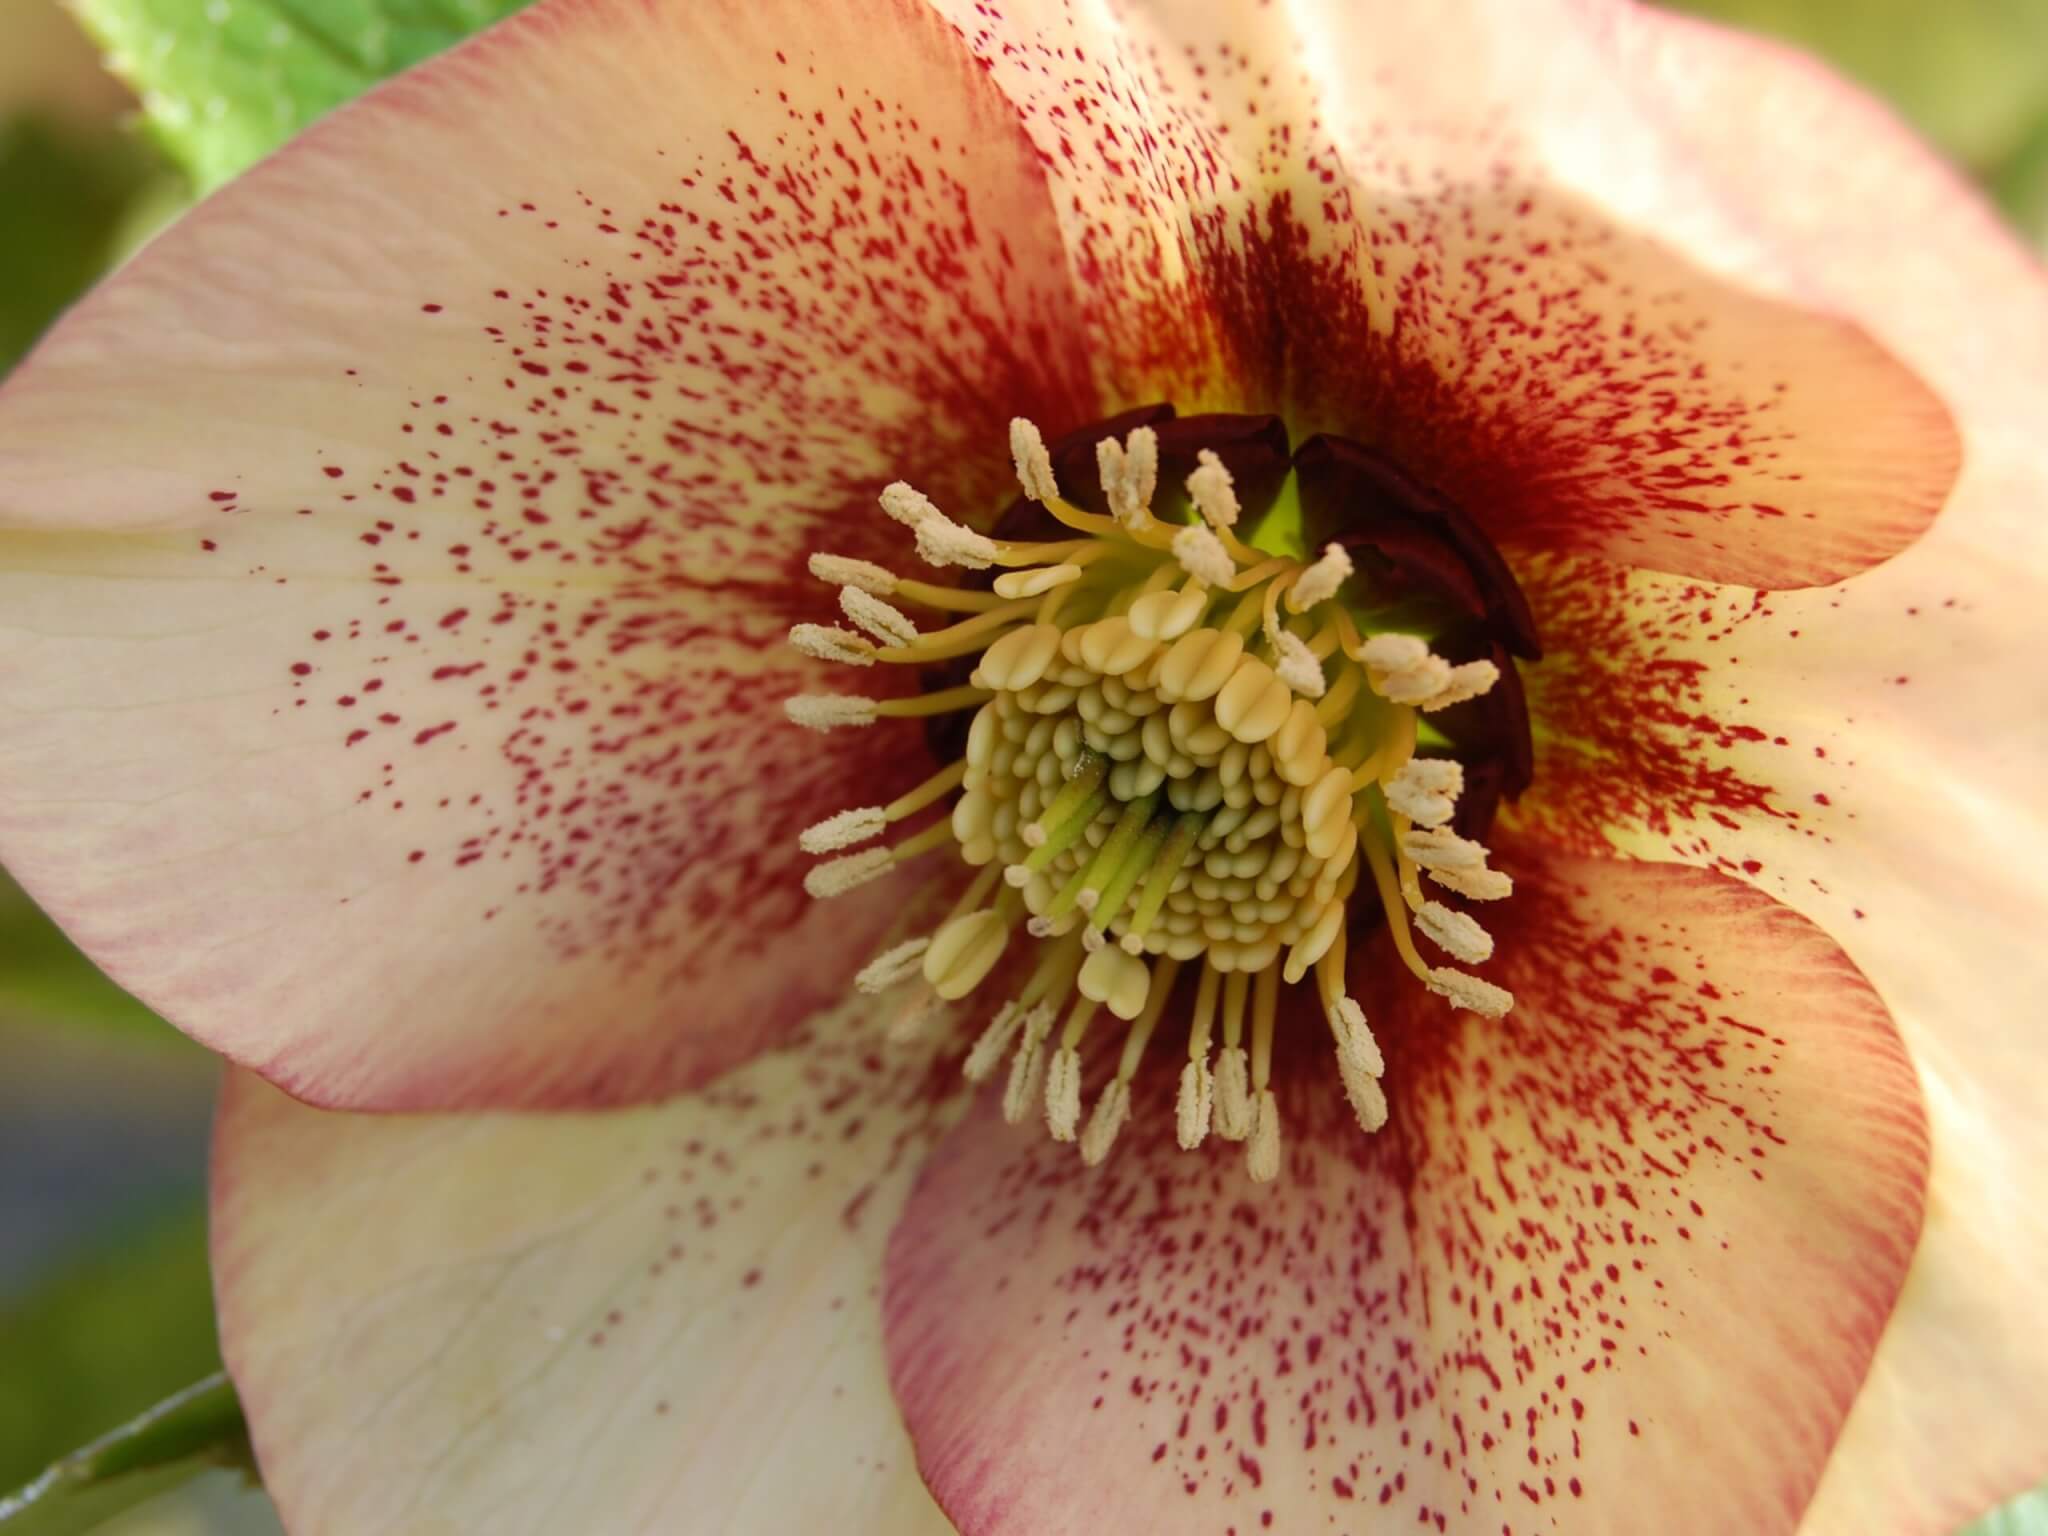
column 1027, row 1065
column 1234, row 1108
column 1297, row 666
column 1034, row 464
column 1321, row 581
column 1111, row 1111
column 1202, row 555
column 829, row 711
column 1262, row 1157
column 1130, row 474
column 1426, row 790
column 885, row 622
column 828, row 642
column 844, row 830
column 987, row 1054
column 841, row 571
column 1455, row 933
column 842, row 875
column 964, row 951
column 1213, row 492
column 942, row 542
column 1063, row 1094
column 908, row 505
column 1469, row 992
column 891, row 966
column 1467, row 681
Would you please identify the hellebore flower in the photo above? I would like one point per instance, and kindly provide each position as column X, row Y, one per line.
column 403, row 554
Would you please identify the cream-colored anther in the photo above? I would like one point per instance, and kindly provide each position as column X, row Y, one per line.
column 1469, row 680
column 1320, row 581
column 1034, row 464
column 1234, row 1111
column 1020, row 658
column 1199, row 663
column 964, row 951
column 1130, row 474
column 1368, row 1098
column 842, row 875
column 1455, row 933
column 1262, row 1157
column 1212, row 491
column 1416, row 684
column 1202, row 555
column 828, row 642
column 908, row 505
column 1254, row 703
column 1477, row 884
column 828, row 711
column 1438, row 848
column 1111, row 1111
column 1471, row 993
column 1355, row 1043
column 1110, row 648
column 1036, row 580
column 885, row 622
column 1426, row 790
column 844, row 830
column 1297, row 667
column 943, row 542
column 1166, row 616
column 891, row 966
column 1193, row 1105
column 1027, row 1066
column 987, row 1054
column 841, row 571
column 1063, row 1094
column 1118, row 981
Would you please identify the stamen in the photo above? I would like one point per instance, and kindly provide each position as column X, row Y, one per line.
column 1297, row 666
column 844, row 830
column 1063, row 1094
column 908, row 505
column 1213, row 491
column 965, row 950
column 1467, row 681
column 1202, row 555
column 942, row 542
column 891, row 966
column 1234, row 1108
column 829, row 711
column 1034, row 464
column 1027, row 1065
column 1455, row 933
column 1130, row 474
column 840, row 571
column 1262, row 1158
column 1194, row 1104
column 824, row 881
column 1321, row 581
column 1111, row 1111
column 1481, row 997
column 887, row 624
column 1426, row 790
column 828, row 642
column 988, row 1050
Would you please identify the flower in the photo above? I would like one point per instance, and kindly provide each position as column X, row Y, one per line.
column 402, row 553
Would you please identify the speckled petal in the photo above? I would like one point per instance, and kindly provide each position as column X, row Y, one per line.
column 391, row 652
column 650, row 1320
column 1915, row 708
column 1459, row 233
column 1630, row 1248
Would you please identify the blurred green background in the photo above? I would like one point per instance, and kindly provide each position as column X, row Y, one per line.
column 104, row 1301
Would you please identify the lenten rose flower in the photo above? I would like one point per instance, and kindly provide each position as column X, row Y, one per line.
column 1610, row 447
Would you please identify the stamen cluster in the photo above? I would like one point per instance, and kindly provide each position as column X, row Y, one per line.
column 1185, row 751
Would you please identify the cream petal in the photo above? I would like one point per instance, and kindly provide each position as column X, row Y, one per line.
column 391, row 654
column 1630, row 1248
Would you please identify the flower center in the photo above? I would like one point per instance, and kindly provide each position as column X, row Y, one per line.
column 1186, row 751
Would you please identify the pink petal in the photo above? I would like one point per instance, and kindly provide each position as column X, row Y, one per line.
column 1920, row 838
column 1629, row 1249
column 394, row 663
column 661, row 1319
column 1462, row 234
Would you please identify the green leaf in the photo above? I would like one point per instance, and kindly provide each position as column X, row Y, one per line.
column 224, row 82
column 198, row 1429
